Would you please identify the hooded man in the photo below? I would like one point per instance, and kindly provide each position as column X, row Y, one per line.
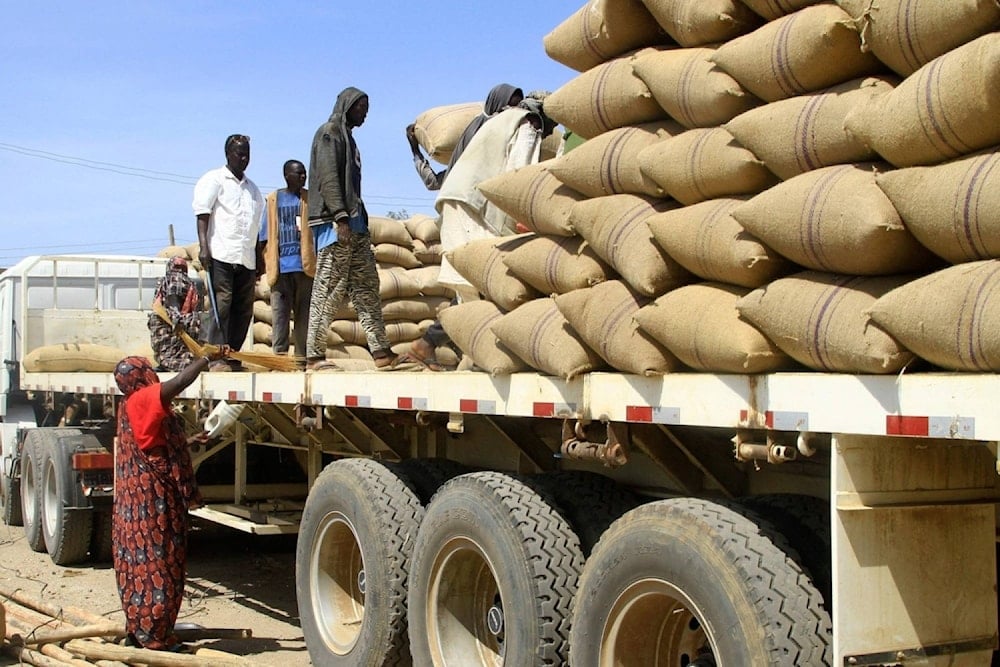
column 345, row 262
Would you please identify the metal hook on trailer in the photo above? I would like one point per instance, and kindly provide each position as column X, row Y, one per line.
column 611, row 452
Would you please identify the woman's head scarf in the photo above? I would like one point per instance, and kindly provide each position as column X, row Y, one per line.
column 134, row 373
column 497, row 100
column 177, row 283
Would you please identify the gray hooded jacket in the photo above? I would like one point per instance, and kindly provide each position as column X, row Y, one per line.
column 334, row 165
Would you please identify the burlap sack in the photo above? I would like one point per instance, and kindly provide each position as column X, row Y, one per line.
column 351, row 331
column 174, row 251
column 812, row 49
column 950, row 318
column 775, row 9
column 835, row 219
column 601, row 30
column 604, row 317
column 413, row 309
column 542, row 338
column 349, row 352
column 821, row 320
column 387, row 230
column 704, row 164
column 603, row 98
column 262, row 311
column 691, row 88
column 951, row 208
column 72, row 358
column 262, row 290
column 481, row 263
column 608, row 164
column 707, row 241
column 437, row 130
column 423, row 227
column 945, row 109
column 557, row 264
column 426, row 278
column 397, row 283
column 469, row 327
column 262, row 332
column 533, row 197
column 192, row 251
column 396, row 255
column 807, row 132
column 697, row 22
column 616, row 228
column 906, row 35
column 332, row 337
column 445, row 355
column 428, row 253
column 701, row 326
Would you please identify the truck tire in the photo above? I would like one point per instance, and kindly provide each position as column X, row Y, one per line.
column 590, row 502
column 689, row 581
column 494, row 573
column 352, row 563
column 101, row 546
column 805, row 523
column 31, row 492
column 427, row 475
column 66, row 526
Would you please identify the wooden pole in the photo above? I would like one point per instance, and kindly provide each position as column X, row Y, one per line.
column 70, row 614
column 74, row 632
column 197, row 634
column 94, row 650
column 31, row 657
column 170, row 233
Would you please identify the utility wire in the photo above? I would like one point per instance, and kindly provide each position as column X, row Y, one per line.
column 168, row 177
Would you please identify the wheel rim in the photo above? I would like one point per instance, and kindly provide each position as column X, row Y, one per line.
column 51, row 503
column 30, row 507
column 652, row 622
column 337, row 576
column 464, row 609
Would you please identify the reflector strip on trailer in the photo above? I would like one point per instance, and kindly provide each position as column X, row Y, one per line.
column 652, row 414
column 93, row 460
column 358, row 401
column 411, row 403
column 477, row 406
column 271, row 397
column 237, row 395
column 553, row 409
column 934, row 427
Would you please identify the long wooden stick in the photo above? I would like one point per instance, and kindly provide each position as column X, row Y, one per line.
column 32, row 657
column 65, row 634
column 71, row 614
column 92, row 650
column 197, row 634
column 51, row 650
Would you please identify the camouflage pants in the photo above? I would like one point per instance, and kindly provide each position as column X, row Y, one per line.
column 346, row 271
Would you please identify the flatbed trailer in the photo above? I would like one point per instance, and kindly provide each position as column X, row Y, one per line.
column 693, row 518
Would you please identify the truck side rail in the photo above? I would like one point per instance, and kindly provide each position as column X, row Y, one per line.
column 935, row 405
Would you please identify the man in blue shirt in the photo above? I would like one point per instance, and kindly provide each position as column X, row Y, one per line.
column 289, row 258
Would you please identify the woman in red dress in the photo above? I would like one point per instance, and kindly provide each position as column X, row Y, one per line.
column 154, row 488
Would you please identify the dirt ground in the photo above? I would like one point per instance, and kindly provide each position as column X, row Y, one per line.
column 234, row 580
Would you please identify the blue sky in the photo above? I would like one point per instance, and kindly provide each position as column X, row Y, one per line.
column 152, row 89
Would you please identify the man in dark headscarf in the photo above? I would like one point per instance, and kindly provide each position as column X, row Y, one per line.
column 502, row 96
column 177, row 293
column 345, row 262
column 154, row 489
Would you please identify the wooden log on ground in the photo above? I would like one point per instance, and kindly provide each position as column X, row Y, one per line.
column 71, row 614
column 95, row 650
column 32, row 657
column 75, row 632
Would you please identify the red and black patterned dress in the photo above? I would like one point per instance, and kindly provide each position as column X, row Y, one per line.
column 154, row 487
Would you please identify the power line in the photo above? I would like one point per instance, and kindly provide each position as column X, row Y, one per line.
column 180, row 179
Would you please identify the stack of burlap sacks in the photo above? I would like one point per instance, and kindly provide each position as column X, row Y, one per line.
column 408, row 253
column 766, row 185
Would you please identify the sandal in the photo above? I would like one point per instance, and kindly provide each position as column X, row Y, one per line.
column 322, row 366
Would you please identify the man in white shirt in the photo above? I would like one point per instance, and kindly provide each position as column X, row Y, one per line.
column 228, row 207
